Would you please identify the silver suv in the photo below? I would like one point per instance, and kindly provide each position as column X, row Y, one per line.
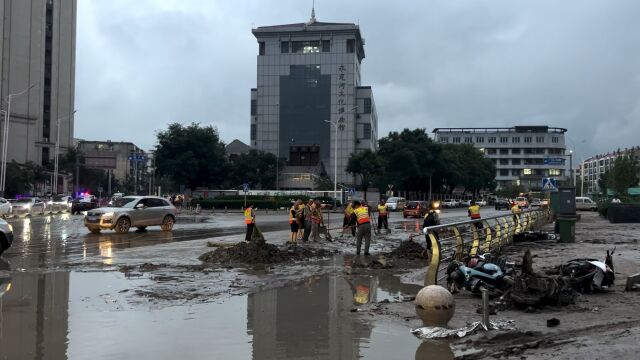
column 6, row 235
column 132, row 211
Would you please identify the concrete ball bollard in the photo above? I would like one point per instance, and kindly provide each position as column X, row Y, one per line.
column 435, row 305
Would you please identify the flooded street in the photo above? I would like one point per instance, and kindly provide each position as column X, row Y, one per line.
column 69, row 294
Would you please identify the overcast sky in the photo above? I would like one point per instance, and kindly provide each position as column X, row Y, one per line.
column 142, row 64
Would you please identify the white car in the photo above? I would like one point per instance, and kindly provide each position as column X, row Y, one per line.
column 396, row 203
column 481, row 202
column 29, row 206
column 450, row 203
column 585, row 203
column 59, row 204
column 6, row 209
column 465, row 203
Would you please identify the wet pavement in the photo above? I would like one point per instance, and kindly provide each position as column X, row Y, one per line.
column 64, row 298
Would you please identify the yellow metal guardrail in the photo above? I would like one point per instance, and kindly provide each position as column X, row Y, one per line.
column 457, row 240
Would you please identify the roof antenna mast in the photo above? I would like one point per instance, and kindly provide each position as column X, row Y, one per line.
column 313, row 12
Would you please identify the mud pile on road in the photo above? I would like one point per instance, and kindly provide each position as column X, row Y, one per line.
column 260, row 252
column 409, row 250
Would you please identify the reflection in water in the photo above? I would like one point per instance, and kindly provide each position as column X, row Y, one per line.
column 33, row 317
column 307, row 321
column 434, row 350
column 26, row 229
column 105, row 251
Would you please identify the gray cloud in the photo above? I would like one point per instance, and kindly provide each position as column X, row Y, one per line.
column 573, row 64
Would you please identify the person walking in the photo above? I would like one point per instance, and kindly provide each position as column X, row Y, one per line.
column 347, row 221
column 293, row 222
column 307, row 220
column 383, row 216
column 430, row 219
column 250, row 221
column 300, row 218
column 515, row 211
column 474, row 214
column 364, row 227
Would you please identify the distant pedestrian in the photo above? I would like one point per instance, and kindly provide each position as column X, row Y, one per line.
column 515, row 211
column 474, row 214
column 316, row 220
column 616, row 200
column 300, row 218
column 293, row 222
column 431, row 219
column 250, row 221
column 364, row 227
column 383, row 216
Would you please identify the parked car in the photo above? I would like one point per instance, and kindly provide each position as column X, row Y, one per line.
column 83, row 204
column 6, row 209
column 396, row 203
column 522, row 202
column 481, row 202
column 536, row 203
column 450, row 203
column 585, row 203
column 6, row 235
column 132, row 211
column 502, row 204
column 415, row 209
column 465, row 203
column 29, row 206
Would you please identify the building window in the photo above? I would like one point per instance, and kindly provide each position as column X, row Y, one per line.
column 515, row 162
column 456, row 140
column 261, row 48
column 554, row 139
column 504, row 172
column 326, row 46
column 515, row 139
column 366, row 131
column 254, row 130
column 305, row 47
column 554, row 172
column 254, row 107
column 504, row 161
column 504, row 139
column 468, row 139
column 444, row 140
column 527, row 171
column 491, row 151
column 515, row 151
column 527, row 139
column 492, row 139
column 45, row 156
column 284, row 47
column 480, row 139
column 504, row 151
column 540, row 139
column 515, row 172
column 351, row 45
column 367, row 106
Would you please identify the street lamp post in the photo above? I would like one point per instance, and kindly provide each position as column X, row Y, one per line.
column 5, row 137
column 278, row 148
column 338, row 124
column 55, row 166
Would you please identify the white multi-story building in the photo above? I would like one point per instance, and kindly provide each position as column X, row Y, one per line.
column 523, row 155
column 308, row 82
column 591, row 169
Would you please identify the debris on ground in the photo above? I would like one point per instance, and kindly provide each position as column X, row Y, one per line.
column 534, row 236
column 553, row 322
column 409, row 250
column 260, row 252
column 435, row 332
column 379, row 262
column 633, row 282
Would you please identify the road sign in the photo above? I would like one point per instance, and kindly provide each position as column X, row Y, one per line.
column 351, row 191
column 549, row 184
column 137, row 157
column 553, row 161
column 245, row 187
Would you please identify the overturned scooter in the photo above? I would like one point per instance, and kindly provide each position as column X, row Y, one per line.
column 590, row 274
column 477, row 274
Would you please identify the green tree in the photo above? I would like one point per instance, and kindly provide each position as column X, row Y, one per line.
column 623, row 174
column 364, row 164
column 191, row 155
column 468, row 167
column 323, row 183
column 256, row 167
column 511, row 191
column 21, row 179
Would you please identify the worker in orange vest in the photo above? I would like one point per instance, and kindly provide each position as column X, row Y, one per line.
column 250, row 221
column 474, row 214
column 293, row 221
column 383, row 216
column 364, row 227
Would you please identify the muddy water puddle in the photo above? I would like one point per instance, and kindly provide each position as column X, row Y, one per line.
column 91, row 315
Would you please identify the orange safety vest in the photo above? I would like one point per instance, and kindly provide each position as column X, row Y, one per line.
column 382, row 210
column 291, row 218
column 316, row 218
column 474, row 212
column 248, row 216
column 362, row 214
column 515, row 209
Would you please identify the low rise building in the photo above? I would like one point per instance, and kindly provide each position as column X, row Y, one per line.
column 592, row 168
column 523, row 155
column 121, row 159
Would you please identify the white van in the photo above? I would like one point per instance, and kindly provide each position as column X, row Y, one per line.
column 585, row 203
column 396, row 203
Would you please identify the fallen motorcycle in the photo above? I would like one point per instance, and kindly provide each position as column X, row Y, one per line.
column 589, row 274
column 477, row 273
